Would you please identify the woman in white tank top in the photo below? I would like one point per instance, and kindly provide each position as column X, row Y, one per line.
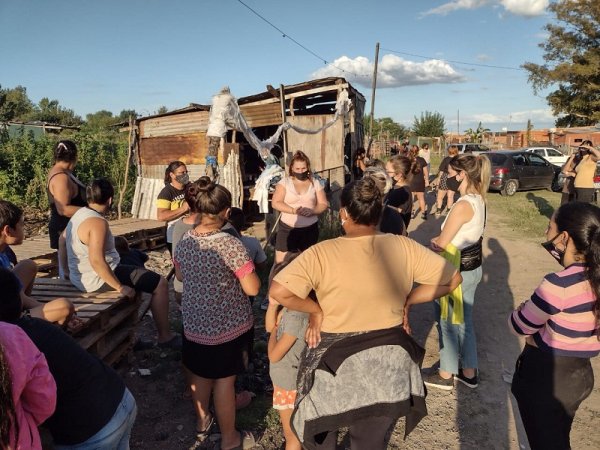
column 460, row 241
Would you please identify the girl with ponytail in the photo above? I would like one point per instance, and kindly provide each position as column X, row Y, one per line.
column 460, row 243
column 419, row 180
column 561, row 322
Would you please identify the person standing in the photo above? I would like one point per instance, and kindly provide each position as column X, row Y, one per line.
column 171, row 204
column 365, row 283
column 218, row 324
column 460, row 241
column 425, row 153
column 300, row 199
column 66, row 194
column 561, row 323
column 419, row 180
column 400, row 196
column 443, row 190
column 584, row 172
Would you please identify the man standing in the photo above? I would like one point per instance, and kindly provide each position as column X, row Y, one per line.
column 92, row 262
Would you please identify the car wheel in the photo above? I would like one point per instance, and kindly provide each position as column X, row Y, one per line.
column 555, row 186
column 510, row 188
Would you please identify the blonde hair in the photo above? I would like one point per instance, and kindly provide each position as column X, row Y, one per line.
column 452, row 150
column 478, row 170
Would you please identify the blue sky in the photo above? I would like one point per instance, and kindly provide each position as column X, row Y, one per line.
column 142, row 54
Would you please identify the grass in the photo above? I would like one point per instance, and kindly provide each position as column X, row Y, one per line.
column 528, row 212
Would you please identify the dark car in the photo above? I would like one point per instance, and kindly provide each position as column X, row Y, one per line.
column 515, row 171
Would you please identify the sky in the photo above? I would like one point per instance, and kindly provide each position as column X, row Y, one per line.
column 434, row 55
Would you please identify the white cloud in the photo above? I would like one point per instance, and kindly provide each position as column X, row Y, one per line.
column 539, row 115
column 393, row 71
column 526, row 8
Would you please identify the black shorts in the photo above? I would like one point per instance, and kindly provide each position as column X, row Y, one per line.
column 138, row 278
column 296, row 240
column 218, row 361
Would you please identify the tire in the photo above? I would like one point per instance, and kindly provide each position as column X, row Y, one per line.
column 510, row 188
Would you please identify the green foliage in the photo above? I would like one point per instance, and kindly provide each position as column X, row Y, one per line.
column 430, row 124
column 14, row 104
column 50, row 111
column 25, row 162
column 572, row 62
column 478, row 134
column 386, row 126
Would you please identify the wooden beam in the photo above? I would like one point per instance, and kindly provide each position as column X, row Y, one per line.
column 337, row 87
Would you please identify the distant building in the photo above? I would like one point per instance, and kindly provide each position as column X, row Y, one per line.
column 37, row 128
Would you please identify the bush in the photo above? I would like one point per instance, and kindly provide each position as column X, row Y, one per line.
column 26, row 160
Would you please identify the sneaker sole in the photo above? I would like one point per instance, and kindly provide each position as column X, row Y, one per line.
column 469, row 385
column 443, row 387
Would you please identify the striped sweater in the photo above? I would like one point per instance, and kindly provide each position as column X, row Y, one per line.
column 559, row 315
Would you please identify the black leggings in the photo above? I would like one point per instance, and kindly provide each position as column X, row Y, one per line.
column 549, row 389
column 365, row 434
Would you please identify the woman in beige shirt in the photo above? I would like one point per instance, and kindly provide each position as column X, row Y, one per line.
column 584, row 171
column 364, row 282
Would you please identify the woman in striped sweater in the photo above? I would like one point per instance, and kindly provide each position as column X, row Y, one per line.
column 553, row 374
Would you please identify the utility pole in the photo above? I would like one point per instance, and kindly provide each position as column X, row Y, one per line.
column 373, row 97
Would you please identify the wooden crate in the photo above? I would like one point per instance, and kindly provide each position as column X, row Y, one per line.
column 109, row 319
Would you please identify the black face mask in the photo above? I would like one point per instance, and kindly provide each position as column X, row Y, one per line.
column 394, row 181
column 183, row 178
column 301, row 175
column 558, row 255
column 453, row 184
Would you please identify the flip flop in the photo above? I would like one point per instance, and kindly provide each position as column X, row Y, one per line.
column 202, row 435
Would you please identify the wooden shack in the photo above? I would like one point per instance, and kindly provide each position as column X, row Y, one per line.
column 181, row 135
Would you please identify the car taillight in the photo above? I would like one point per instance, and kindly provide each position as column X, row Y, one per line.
column 500, row 171
column 597, row 179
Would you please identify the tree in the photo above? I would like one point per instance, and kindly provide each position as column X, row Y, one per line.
column 572, row 62
column 478, row 134
column 14, row 104
column 387, row 126
column 429, row 124
column 528, row 135
column 100, row 120
column 50, row 111
column 162, row 110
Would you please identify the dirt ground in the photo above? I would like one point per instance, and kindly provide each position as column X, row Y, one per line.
column 482, row 418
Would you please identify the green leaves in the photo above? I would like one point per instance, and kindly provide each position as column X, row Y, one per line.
column 430, row 124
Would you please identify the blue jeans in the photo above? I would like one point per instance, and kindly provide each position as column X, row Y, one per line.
column 115, row 434
column 458, row 346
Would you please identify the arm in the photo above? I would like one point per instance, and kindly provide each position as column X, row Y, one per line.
column 461, row 213
column 278, row 348
column 250, row 283
column 271, row 317
column 567, row 168
column 59, row 188
column 530, row 316
column 167, row 215
column 322, row 203
column 594, row 153
column 63, row 259
column 277, row 202
column 426, row 175
column 93, row 236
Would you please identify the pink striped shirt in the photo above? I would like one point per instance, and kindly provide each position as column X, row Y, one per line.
column 559, row 316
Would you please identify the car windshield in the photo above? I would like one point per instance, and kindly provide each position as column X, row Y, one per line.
column 497, row 159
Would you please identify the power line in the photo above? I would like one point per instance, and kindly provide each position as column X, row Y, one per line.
column 489, row 66
column 287, row 36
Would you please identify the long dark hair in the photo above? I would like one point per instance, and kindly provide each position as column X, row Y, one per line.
column 171, row 168
column 66, row 151
column 582, row 222
column 8, row 418
column 413, row 154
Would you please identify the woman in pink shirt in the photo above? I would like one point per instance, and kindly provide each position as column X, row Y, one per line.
column 300, row 199
column 27, row 390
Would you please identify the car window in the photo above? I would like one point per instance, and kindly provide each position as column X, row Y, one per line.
column 539, row 152
column 519, row 160
column 470, row 148
column 483, row 148
column 536, row 160
column 497, row 159
column 552, row 152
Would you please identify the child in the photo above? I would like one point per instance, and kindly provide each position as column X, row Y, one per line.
column 236, row 218
column 286, row 343
column 12, row 224
column 130, row 256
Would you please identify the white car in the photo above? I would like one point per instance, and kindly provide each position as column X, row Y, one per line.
column 551, row 154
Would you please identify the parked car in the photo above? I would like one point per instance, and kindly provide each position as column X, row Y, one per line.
column 514, row 171
column 469, row 147
column 549, row 153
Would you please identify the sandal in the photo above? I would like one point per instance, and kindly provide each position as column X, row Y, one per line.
column 201, row 435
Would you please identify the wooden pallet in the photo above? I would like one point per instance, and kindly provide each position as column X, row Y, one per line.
column 109, row 319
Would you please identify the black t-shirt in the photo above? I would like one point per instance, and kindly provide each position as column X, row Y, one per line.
column 444, row 164
column 88, row 391
column 392, row 222
column 401, row 197
column 417, row 180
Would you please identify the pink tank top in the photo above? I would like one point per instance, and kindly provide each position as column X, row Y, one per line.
column 295, row 200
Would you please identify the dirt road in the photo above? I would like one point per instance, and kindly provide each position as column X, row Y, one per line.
column 483, row 418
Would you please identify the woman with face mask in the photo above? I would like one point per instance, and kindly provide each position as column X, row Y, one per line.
column 460, row 243
column 300, row 199
column 445, row 188
column 365, row 281
column 171, row 204
column 561, row 323
column 400, row 196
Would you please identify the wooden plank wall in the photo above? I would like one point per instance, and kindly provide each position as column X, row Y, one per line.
column 326, row 149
